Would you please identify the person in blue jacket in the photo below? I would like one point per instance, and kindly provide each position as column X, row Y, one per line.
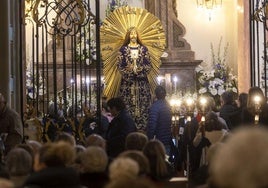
column 159, row 121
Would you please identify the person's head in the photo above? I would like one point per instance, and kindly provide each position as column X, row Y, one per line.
column 160, row 92
column 136, row 141
column 210, row 104
column 227, row 98
column 93, row 160
column 115, row 105
column 154, row 150
column 140, row 158
column 79, row 148
column 132, row 35
column 27, row 148
column 242, row 100
column 104, row 107
column 19, row 162
column 34, row 144
column 241, row 162
column 123, row 168
column 212, row 122
column 58, row 154
column 65, row 137
column 95, row 140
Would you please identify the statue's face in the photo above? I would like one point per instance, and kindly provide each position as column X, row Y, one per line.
column 133, row 35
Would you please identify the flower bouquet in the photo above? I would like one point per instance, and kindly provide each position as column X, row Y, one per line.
column 217, row 78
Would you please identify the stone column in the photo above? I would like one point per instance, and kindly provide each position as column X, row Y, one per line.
column 243, row 50
column 10, row 76
column 4, row 52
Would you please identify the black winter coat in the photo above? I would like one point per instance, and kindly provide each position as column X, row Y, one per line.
column 119, row 128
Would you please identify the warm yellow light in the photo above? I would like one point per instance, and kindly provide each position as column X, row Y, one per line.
column 203, row 101
column 257, row 99
column 189, row 118
column 189, row 101
column 175, row 102
column 172, row 102
column 256, row 118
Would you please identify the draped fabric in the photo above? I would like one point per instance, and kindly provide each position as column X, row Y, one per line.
column 135, row 87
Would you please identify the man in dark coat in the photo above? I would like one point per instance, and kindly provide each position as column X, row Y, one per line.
column 229, row 109
column 10, row 125
column 121, row 125
column 159, row 122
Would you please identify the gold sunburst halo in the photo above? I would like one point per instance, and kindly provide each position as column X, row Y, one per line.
column 112, row 35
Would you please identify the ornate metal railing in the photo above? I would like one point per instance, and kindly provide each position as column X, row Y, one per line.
column 63, row 68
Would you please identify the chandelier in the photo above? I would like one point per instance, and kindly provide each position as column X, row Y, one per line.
column 209, row 4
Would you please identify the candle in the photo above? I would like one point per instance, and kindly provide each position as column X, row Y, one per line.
column 257, row 99
column 175, row 79
column 256, row 119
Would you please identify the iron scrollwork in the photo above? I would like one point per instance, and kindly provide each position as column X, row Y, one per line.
column 63, row 17
column 261, row 12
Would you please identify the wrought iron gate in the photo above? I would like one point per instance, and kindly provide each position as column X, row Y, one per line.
column 63, row 69
column 258, row 43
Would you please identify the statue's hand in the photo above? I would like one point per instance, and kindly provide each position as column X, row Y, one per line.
column 129, row 67
column 135, row 68
column 139, row 69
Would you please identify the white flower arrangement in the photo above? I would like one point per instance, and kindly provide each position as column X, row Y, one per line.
column 32, row 88
column 218, row 78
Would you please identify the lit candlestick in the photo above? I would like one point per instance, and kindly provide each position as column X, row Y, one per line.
column 175, row 79
column 189, row 118
column 256, row 119
column 203, row 102
column 257, row 102
column 189, row 102
column 257, row 99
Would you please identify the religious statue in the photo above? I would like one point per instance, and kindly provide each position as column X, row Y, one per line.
column 132, row 42
column 134, row 65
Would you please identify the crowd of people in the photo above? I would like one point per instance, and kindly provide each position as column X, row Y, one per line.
column 212, row 151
